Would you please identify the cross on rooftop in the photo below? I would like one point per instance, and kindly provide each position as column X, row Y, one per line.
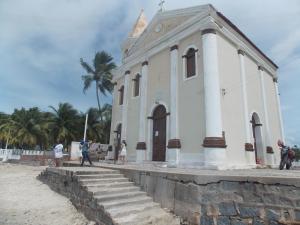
column 161, row 5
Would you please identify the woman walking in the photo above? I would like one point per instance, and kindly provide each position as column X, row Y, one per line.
column 123, row 152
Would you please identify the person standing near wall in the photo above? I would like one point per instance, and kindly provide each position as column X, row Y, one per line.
column 58, row 154
column 85, row 152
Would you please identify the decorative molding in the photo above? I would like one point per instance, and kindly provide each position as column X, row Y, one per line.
column 269, row 150
column 208, row 31
column 275, row 79
column 241, row 52
column 214, row 142
column 145, row 63
column 174, row 47
column 249, row 147
column 141, row 146
column 174, row 143
column 127, row 72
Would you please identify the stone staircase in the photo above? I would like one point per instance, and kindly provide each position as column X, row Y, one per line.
column 119, row 199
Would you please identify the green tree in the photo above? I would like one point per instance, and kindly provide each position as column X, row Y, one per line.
column 65, row 124
column 100, row 73
column 25, row 128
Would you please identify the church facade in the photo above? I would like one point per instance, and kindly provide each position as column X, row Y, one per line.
column 193, row 91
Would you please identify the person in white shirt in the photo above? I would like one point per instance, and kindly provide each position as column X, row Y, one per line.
column 58, row 154
column 123, row 152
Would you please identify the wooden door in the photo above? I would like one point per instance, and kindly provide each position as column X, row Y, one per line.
column 159, row 133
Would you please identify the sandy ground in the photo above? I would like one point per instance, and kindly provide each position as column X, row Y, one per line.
column 26, row 201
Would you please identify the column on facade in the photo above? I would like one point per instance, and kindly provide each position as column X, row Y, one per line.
column 269, row 149
column 125, row 106
column 250, row 154
column 279, row 109
column 214, row 143
column 141, row 145
column 174, row 144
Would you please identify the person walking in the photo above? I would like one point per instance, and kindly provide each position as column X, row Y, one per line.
column 123, row 152
column 85, row 152
column 58, row 154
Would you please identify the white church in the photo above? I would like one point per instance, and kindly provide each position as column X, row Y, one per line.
column 194, row 91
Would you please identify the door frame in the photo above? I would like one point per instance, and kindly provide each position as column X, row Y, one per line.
column 150, row 129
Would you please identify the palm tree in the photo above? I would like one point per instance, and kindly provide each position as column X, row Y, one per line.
column 65, row 124
column 100, row 73
column 25, row 128
column 94, row 125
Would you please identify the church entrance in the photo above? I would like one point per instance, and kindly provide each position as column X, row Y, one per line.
column 257, row 137
column 159, row 133
column 118, row 141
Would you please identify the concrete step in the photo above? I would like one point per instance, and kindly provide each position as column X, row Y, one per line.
column 104, row 180
column 99, row 176
column 124, row 195
column 112, row 190
column 109, row 184
column 119, row 211
column 95, row 172
column 125, row 202
column 156, row 216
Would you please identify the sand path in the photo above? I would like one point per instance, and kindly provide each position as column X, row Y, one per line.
column 26, row 201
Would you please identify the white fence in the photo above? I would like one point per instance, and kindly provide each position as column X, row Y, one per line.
column 6, row 154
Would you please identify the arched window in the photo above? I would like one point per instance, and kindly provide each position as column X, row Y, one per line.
column 121, row 95
column 190, row 62
column 136, row 86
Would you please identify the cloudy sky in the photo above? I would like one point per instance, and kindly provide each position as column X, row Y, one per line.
column 41, row 42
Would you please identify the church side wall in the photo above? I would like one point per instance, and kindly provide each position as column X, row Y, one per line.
column 158, row 91
column 117, row 110
column 274, row 119
column 231, row 102
column 132, row 115
column 191, row 104
column 255, row 102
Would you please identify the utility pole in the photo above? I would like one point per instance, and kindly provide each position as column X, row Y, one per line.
column 85, row 126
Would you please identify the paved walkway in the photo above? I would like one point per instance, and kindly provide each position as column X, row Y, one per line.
column 265, row 176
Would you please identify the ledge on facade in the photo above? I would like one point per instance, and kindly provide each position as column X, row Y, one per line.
column 270, row 150
column 214, row 142
column 249, row 147
column 141, row 146
column 174, row 143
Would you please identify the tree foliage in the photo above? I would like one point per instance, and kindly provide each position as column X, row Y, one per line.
column 28, row 128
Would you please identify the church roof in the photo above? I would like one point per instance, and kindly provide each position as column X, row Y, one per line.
column 141, row 30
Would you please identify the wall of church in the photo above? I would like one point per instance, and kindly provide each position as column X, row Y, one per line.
column 133, row 115
column 231, row 102
column 158, row 90
column 191, row 103
column 255, row 102
column 117, row 110
column 274, row 118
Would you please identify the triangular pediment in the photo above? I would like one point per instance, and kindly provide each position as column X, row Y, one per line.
column 165, row 22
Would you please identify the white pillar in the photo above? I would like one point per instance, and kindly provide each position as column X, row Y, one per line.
column 125, row 106
column 141, row 145
column 250, row 154
column 214, row 142
column 279, row 110
column 269, row 149
column 174, row 144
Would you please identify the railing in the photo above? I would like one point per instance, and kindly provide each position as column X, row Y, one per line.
column 6, row 154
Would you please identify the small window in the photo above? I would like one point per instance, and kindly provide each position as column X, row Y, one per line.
column 190, row 63
column 121, row 95
column 136, row 86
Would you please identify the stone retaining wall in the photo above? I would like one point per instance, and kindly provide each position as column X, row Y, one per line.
column 66, row 183
column 223, row 200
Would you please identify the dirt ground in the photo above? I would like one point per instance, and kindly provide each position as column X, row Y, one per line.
column 26, row 201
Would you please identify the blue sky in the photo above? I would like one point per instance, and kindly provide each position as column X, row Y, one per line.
column 41, row 42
